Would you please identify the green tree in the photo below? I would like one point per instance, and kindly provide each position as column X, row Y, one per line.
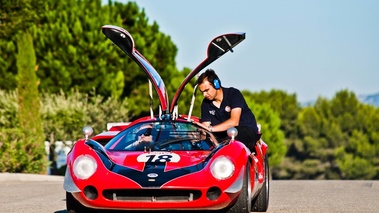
column 75, row 53
column 14, row 16
column 337, row 140
column 358, row 159
column 29, row 105
column 284, row 104
column 66, row 114
column 17, row 18
column 8, row 109
column 13, row 158
column 72, row 52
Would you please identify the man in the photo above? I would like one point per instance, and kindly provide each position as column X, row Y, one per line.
column 223, row 108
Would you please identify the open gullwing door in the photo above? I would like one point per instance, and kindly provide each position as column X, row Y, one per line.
column 125, row 42
column 216, row 48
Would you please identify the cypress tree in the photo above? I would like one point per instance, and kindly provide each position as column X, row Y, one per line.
column 29, row 106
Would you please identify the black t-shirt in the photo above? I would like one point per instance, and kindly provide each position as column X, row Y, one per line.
column 233, row 98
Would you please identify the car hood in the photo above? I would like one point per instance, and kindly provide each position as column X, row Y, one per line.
column 171, row 160
column 155, row 169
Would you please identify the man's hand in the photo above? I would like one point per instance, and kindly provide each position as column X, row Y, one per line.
column 202, row 125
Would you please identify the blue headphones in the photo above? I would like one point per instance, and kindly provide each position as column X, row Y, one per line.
column 216, row 83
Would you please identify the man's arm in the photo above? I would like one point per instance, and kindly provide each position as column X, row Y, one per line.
column 233, row 121
column 206, row 124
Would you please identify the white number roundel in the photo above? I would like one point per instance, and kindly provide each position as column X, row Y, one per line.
column 158, row 157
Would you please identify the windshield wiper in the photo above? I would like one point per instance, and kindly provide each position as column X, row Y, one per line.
column 175, row 141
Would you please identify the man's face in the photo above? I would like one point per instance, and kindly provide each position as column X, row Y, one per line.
column 144, row 133
column 147, row 138
column 207, row 89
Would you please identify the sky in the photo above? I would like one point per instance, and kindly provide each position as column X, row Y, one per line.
column 307, row 48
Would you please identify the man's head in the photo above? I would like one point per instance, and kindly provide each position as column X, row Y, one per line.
column 209, row 83
column 145, row 133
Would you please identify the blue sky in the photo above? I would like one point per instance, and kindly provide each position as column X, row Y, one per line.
column 311, row 48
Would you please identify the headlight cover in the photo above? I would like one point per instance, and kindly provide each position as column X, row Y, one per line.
column 222, row 168
column 84, row 166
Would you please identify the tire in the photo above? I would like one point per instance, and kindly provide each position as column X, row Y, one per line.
column 260, row 203
column 243, row 203
column 73, row 206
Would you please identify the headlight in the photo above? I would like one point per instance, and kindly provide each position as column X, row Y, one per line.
column 222, row 168
column 84, row 166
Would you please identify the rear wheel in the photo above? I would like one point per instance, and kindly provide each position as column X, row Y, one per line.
column 260, row 203
column 243, row 203
column 73, row 206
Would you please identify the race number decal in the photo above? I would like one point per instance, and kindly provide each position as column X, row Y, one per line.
column 158, row 157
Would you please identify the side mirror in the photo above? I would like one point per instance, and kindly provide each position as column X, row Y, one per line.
column 232, row 133
column 87, row 132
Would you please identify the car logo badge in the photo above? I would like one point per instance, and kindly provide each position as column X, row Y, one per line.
column 152, row 175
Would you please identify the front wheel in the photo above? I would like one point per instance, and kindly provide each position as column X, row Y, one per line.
column 243, row 203
column 260, row 203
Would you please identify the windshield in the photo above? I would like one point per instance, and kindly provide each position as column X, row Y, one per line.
column 163, row 136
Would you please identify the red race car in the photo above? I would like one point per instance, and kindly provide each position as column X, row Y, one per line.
column 166, row 161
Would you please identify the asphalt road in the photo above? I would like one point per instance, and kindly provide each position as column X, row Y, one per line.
column 42, row 194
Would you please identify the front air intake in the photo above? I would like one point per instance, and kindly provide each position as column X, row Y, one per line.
column 152, row 195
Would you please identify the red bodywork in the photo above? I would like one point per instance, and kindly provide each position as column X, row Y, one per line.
column 201, row 181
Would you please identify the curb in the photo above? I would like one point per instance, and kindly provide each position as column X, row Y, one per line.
column 8, row 177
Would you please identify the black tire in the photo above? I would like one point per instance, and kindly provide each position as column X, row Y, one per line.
column 260, row 203
column 73, row 206
column 243, row 203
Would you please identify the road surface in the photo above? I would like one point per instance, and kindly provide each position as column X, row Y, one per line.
column 30, row 194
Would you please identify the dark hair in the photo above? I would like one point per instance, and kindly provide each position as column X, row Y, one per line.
column 210, row 76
